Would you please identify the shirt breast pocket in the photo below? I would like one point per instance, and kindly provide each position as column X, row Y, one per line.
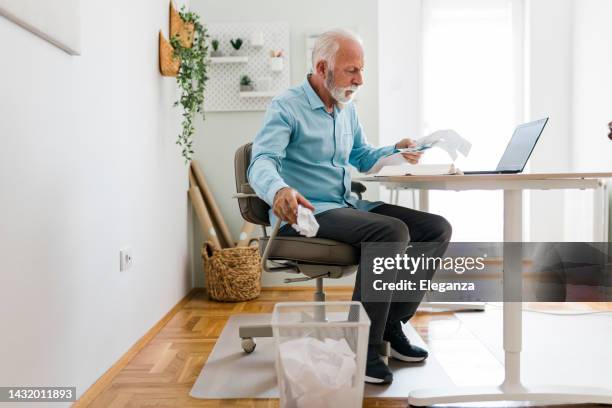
column 347, row 145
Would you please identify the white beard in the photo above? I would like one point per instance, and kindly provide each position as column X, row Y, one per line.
column 340, row 93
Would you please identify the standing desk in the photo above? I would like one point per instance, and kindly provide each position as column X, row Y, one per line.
column 513, row 185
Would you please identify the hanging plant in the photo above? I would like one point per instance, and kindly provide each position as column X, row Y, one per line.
column 191, row 49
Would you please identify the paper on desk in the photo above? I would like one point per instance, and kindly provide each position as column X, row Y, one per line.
column 418, row 170
column 395, row 159
column 447, row 140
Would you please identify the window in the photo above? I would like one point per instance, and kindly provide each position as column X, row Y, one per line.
column 472, row 82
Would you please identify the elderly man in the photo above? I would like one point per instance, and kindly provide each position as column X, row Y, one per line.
column 301, row 156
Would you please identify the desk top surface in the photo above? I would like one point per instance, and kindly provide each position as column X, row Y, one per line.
column 488, row 177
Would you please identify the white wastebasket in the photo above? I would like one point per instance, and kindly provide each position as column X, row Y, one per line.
column 321, row 352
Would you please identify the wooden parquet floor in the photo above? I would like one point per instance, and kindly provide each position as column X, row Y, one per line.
column 162, row 373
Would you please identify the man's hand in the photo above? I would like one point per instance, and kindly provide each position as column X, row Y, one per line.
column 413, row 157
column 286, row 203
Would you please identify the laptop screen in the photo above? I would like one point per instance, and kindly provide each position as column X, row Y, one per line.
column 521, row 145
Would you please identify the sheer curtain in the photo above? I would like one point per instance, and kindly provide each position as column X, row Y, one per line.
column 472, row 82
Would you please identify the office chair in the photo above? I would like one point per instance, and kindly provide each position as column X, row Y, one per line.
column 313, row 258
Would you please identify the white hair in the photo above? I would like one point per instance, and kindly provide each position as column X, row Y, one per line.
column 328, row 44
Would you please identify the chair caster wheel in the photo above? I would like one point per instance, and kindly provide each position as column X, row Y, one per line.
column 248, row 345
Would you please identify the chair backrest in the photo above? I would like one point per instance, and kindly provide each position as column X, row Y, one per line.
column 253, row 209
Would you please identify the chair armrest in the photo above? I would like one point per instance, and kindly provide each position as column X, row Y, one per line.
column 264, row 257
column 358, row 188
column 245, row 195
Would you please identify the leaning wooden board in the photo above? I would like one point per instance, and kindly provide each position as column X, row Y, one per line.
column 245, row 234
column 216, row 216
column 205, row 220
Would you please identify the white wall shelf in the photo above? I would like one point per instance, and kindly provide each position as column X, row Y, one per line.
column 256, row 94
column 229, row 60
column 222, row 90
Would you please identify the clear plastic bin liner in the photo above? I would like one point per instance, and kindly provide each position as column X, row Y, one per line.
column 316, row 370
column 320, row 353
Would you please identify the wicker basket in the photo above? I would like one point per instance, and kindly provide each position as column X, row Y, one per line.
column 232, row 274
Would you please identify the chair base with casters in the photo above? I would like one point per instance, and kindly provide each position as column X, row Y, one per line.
column 311, row 258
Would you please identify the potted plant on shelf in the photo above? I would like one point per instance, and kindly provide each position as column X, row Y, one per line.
column 236, row 44
column 246, row 85
column 191, row 50
column 216, row 52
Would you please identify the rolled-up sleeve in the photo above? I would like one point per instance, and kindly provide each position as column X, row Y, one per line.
column 268, row 151
column 363, row 155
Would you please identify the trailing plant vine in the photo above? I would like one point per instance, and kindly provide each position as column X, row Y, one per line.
column 191, row 78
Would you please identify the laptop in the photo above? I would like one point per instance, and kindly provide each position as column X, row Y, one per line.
column 518, row 150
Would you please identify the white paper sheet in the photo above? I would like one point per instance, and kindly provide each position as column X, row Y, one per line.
column 307, row 224
column 447, row 140
column 417, row 170
column 395, row 159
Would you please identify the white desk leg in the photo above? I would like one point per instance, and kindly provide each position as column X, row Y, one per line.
column 444, row 306
column 424, row 200
column 513, row 283
column 600, row 213
column 512, row 389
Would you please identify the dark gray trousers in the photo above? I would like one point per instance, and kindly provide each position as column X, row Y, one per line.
column 384, row 223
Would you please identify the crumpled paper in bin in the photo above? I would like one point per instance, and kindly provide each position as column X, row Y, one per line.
column 318, row 373
column 307, row 224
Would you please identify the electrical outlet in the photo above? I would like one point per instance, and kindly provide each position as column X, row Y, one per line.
column 126, row 259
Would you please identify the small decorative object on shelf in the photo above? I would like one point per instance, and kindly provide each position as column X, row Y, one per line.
column 216, row 52
column 257, row 39
column 276, row 60
column 246, row 85
column 236, row 44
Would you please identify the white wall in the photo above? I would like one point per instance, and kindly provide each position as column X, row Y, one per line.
column 220, row 134
column 399, row 80
column 592, row 85
column 399, row 51
column 568, row 71
column 592, row 108
column 88, row 165
column 549, row 93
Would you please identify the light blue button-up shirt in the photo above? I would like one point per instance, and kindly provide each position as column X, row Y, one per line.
column 303, row 146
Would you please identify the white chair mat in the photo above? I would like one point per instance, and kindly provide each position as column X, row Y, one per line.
column 557, row 350
column 230, row 373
